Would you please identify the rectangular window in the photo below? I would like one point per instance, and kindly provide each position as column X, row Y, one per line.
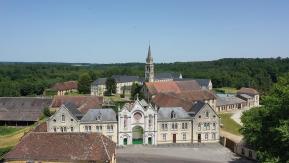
column 208, row 125
column 184, row 126
column 214, row 136
column 71, row 129
column 206, row 136
column 199, row 127
column 62, row 118
column 164, row 137
column 163, row 126
column 205, row 126
column 54, row 129
column 184, row 136
column 97, row 128
column 214, row 126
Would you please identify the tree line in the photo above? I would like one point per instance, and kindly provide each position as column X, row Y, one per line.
column 31, row 79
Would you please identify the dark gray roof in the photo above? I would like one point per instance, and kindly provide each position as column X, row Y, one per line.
column 164, row 113
column 203, row 82
column 73, row 109
column 106, row 115
column 245, row 96
column 197, row 107
column 99, row 81
column 228, row 100
column 125, row 78
column 22, row 108
column 166, row 75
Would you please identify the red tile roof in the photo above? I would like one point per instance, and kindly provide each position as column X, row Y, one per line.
column 172, row 86
column 69, row 147
column 183, row 99
column 83, row 103
column 249, row 91
column 69, row 85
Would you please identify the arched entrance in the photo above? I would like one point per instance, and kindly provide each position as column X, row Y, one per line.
column 137, row 135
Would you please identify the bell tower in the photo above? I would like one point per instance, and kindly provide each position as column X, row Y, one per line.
column 149, row 67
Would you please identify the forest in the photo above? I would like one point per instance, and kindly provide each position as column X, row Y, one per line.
column 31, row 79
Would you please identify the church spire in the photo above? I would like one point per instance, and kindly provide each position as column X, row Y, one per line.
column 149, row 57
column 149, row 67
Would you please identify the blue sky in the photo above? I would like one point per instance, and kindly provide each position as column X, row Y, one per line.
column 119, row 31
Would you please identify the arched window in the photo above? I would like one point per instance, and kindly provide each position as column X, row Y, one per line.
column 63, row 118
column 173, row 115
column 150, row 120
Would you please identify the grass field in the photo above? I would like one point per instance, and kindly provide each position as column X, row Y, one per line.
column 8, row 130
column 228, row 90
column 229, row 124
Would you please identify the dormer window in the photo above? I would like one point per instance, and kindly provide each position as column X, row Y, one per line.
column 173, row 115
column 98, row 117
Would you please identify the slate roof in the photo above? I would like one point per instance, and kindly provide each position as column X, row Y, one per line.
column 199, row 106
column 164, row 113
column 83, row 103
column 99, row 81
column 73, row 109
column 65, row 86
column 22, row 108
column 107, row 115
column 166, row 75
column 249, row 91
column 229, row 100
column 63, row 147
column 203, row 82
column 125, row 78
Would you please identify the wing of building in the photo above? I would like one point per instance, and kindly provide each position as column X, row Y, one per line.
column 63, row 147
column 65, row 87
column 20, row 111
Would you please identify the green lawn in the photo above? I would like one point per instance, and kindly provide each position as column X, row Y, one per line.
column 3, row 151
column 4, row 130
column 229, row 124
column 228, row 90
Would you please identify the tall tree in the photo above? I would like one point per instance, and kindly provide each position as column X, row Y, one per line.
column 84, row 83
column 136, row 90
column 110, row 86
column 267, row 128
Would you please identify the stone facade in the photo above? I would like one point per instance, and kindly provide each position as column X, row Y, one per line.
column 137, row 123
column 63, row 121
column 149, row 67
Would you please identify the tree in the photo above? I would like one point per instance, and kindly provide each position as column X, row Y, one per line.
column 110, row 86
column 46, row 112
column 84, row 83
column 267, row 128
column 136, row 90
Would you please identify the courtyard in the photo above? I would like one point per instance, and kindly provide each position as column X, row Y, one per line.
column 181, row 153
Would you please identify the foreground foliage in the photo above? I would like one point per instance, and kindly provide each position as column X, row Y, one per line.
column 267, row 128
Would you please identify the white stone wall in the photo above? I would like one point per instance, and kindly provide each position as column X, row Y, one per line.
column 56, row 124
column 104, row 128
column 165, row 135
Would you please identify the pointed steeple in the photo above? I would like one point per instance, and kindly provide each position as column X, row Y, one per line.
column 149, row 57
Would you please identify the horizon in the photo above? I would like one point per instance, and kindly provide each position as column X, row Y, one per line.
column 120, row 32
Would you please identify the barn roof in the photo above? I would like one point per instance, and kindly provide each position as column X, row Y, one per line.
column 83, row 103
column 65, row 86
column 64, row 147
column 22, row 108
column 249, row 91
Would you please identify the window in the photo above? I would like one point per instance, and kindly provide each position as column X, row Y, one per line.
column 174, row 126
column 54, row 120
column 214, row 126
column 98, row 117
column 184, row 126
column 208, row 126
column 61, row 129
column 109, row 127
column 199, row 127
column 205, row 126
column 98, row 128
column 184, row 136
column 207, row 114
column 150, row 120
column 164, row 137
column 64, row 129
column 71, row 129
column 200, row 116
column 125, row 121
column 173, row 115
column 250, row 154
column 243, row 151
column 214, row 136
column 54, row 129
column 87, row 128
column 62, row 118
column 206, row 136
